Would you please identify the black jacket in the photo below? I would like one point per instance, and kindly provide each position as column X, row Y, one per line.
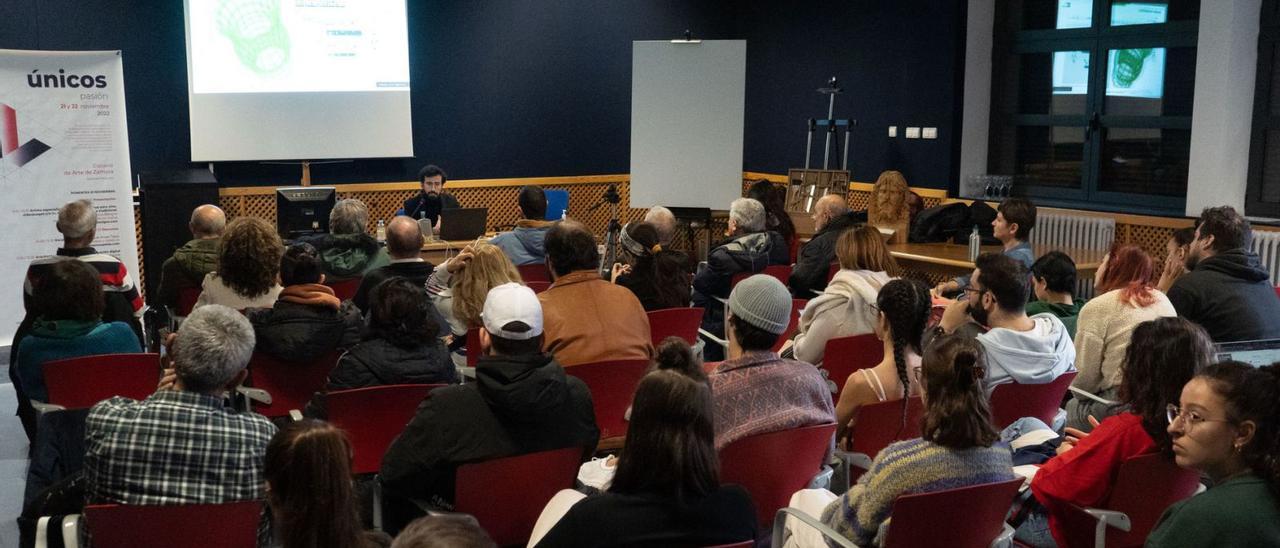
column 377, row 362
column 416, row 272
column 722, row 517
column 415, row 207
column 518, row 405
column 749, row 253
column 1230, row 296
column 810, row 272
column 301, row 333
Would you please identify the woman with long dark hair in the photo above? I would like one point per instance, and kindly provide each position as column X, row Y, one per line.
column 774, row 198
column 655, row 274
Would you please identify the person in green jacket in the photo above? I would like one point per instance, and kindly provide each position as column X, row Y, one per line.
column 1227, row 427
column 189, row 263
column 348, row 251
column 1053, row 277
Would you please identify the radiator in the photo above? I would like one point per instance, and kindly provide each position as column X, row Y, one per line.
column 1059, row 230
column 1267, row 246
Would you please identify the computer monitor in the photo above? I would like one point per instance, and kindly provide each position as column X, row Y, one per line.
column 1255, row 353
column 302, row 211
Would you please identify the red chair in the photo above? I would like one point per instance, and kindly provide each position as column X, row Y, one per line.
column 290, row 384
column 187, row 297
column 538, row 287
column 779, row 271
column 831, row 271
column 1278, row 290
column 919, row 519
column 875, row 427
column 612, row 385
column 536, row 272
column 1012, row 401
column 675, row 322
column 506, row 495
column 754, row 462
column 229, row 525
column 1144, row 487
column 77, row 383
column 344, row 290
column 373, row 417
column 473, row 346
column 794, row 324
column 845, row 355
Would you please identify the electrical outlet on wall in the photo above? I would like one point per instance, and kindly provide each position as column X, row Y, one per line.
column 930, row 133
column 893, row 131
column 913, row 132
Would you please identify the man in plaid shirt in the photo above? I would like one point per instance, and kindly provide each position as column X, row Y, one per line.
column 182, row 445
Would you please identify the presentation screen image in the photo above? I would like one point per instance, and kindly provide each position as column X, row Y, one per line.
column 1133, row 72
column 251, row 46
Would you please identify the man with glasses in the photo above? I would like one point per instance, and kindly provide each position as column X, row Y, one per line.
column 428, row 203
column 1019, row 349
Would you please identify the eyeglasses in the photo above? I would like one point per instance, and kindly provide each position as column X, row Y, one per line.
column 1189, row 418
column 971, row 289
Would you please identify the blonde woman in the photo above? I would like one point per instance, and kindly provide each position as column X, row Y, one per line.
column 459, row 285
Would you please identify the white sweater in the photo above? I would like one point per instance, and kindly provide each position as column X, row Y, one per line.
column 1103, row 331
column 214, row 291
column 842, row 310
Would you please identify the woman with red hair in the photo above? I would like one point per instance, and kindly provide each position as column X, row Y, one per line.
column 1125, row 298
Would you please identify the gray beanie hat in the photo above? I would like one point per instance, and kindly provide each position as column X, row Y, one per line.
column 762, row 301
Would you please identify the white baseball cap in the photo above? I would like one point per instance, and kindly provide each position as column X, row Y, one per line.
column 512, row 302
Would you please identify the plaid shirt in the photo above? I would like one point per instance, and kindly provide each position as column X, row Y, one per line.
column 174, row 448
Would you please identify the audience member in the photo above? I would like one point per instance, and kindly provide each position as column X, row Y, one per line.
column 903, row 309
column 588, row 319
column 889, row 206
column 1175, row 260
column 524, row 245
column 309, row 490
column 249, row 256
column 831, row 219
column 1125, row 299
column 428, row 203
column 750, row 250
column 655, row 274
column 664, row 222
column 348, row 251
column 755, row 391
column 1226, row 289
column 459, row 285
column 1165, row 353
column 915, row 204
column 958, row 448
column 773, row 198
column 1014, row 220
column 190, row 263
column 845, row 306
column 307, row 321
column 667, row 489
column 1018, row 349
column 404, row 245
column 141, row 452
column 522, row 402
column 68, row 303
column 444, row 531
column 1227, row 427
column 1053, row 279
column 400, row 345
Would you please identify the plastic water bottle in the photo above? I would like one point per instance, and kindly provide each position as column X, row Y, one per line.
column 382, row 231
column 975, row 244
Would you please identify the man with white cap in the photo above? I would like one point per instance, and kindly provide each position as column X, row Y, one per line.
column 522, row 402
column 755, row 391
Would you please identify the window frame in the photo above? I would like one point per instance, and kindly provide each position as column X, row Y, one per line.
column 1263, row 120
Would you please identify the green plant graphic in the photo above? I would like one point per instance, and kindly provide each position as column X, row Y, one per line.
column 1128, row 66
column 256, row 32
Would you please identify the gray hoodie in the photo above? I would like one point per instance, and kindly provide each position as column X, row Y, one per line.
column 1037, row 356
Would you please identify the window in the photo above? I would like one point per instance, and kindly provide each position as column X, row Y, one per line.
column 1263, row 194
column 1091, row 101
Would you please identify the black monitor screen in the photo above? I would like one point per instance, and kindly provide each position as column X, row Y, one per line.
column 302, row 211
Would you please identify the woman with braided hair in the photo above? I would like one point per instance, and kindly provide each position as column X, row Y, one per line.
column 902, row 309
column 656, row 275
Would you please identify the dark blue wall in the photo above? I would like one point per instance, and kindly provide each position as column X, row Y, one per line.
column 512, row 88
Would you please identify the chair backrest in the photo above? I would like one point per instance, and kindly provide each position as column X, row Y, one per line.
column 1012, row 401
column 291, row 384
column 506, row 495
column 229, row 525
column 793, row 324
column 1144, row 487
column 187, row 297
column 536, row 272
column 755, row 463
column 538, row 287
column 831, row 271
column 373, row 417
column 922, row 519
column 675, row 322
column 612, row 385
column 780, row 271
column 557, row 204
column 473, row 346
column 879, row 424
column 844, row 355
column 77, row 383
column 344, row 289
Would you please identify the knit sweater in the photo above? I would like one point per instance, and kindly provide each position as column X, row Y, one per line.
column 843, row 309
column 760, row 393
column 214, row 291
column 1103, row 330
column 909, row 467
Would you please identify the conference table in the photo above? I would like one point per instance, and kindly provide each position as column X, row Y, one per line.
column 436, row 251
column 944, row 261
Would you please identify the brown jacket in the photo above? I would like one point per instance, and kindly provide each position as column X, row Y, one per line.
column 586, row 320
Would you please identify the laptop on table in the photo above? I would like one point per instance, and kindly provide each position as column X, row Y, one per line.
column 463, row 223
column 1255, row 353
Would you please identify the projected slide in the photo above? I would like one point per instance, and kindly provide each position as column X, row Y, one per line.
column 265, row 46
column 1132, row 72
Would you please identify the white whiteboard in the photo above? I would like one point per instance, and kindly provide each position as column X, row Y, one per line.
column 687, row 104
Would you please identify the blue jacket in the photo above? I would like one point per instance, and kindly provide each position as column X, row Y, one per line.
column 524, row 245
column 62, row 339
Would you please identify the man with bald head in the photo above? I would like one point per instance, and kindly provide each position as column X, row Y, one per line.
column 189, row 263
column 404, row 245
column 664, row 221
column 831, row 217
